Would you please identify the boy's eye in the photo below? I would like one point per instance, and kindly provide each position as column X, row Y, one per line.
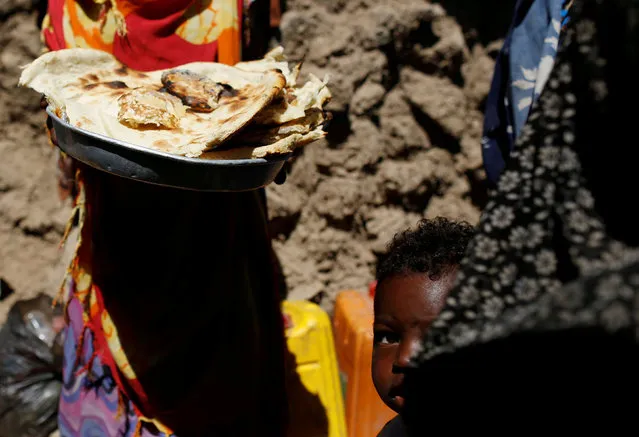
column 385, row 337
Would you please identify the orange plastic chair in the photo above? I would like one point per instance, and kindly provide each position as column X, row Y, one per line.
column 366, row 414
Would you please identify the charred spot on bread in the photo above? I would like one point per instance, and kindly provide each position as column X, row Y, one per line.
column 115, row 84
column 227, row 90
column 196, row 91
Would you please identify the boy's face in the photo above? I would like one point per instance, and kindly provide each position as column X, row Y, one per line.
column 405, row 307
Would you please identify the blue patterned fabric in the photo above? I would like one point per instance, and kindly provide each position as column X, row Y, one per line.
column 521, row 71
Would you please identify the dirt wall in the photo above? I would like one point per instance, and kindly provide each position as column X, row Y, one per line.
column 32, row 218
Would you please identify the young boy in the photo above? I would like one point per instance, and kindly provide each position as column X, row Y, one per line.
column 413, row 280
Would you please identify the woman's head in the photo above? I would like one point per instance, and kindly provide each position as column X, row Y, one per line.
column 414, row 279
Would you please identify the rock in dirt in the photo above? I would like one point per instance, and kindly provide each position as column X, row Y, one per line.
column 454, row 208
column 367, row 97
column 438, row 98
column 383, row 223
column 477, row 74
column 447, row 54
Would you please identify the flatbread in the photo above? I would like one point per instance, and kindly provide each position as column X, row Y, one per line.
column 273, row 60
column 261, row 135
column 62, row 67
column 281, row 147
column 86, row 84
column 251, row 110
column 295, row 103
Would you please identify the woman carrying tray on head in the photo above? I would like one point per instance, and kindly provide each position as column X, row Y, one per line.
column 173, row 311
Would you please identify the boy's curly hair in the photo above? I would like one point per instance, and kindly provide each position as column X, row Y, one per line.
column 434, row 247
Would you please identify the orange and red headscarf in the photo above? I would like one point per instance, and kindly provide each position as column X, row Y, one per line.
column 148, row 34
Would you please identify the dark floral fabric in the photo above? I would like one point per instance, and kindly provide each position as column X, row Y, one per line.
column 547, row 257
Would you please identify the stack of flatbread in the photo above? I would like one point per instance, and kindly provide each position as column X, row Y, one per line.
column 202, row 109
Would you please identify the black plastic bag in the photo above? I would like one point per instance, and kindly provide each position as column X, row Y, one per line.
column 30, row 369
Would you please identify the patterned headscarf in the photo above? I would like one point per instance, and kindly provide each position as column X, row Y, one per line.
column 166, row 32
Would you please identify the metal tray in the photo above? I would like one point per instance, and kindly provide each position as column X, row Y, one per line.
column 160, row 168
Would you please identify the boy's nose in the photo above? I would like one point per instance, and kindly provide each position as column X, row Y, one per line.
column 406, row 354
